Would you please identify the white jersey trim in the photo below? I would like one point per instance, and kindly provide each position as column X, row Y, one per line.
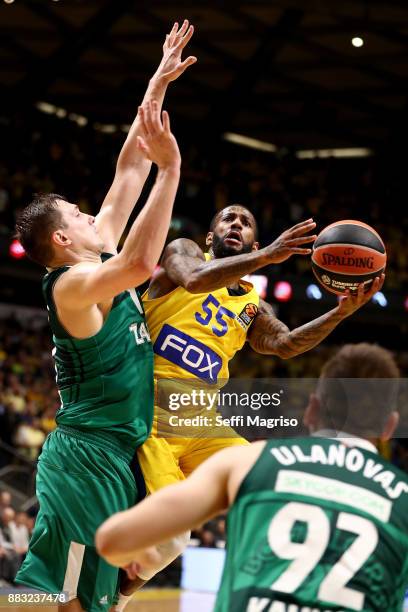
column 73, row 571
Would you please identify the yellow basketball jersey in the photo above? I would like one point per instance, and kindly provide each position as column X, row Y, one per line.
column 196, row 335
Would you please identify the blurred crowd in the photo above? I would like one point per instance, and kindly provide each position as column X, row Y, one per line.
column 283, row 191
column 15, row 531
column 56, row 155
column 211, row 534
column 28, row 394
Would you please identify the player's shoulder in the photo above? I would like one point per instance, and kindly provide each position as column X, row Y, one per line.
column 238, row 460
column 68, row 283
column 78, row 271
column 239, row 463
column 265, row 308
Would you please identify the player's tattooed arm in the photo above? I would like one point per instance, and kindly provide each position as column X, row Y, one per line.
column 269, row 336
column 179, row 260
column 184, row 265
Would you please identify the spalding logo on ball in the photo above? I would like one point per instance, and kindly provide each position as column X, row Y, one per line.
column 347, row 253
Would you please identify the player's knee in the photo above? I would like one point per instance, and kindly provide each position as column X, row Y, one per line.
column 168, row 552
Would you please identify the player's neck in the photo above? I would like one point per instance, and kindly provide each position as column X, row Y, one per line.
column 347, row 438
column 71, row 258
column 235, row 286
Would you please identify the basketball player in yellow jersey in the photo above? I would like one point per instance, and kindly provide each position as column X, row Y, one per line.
column 200, row 313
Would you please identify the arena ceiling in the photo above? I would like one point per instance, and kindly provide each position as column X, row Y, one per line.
column 283, row 71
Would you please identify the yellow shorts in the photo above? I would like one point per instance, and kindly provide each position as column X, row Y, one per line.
column 166, row 461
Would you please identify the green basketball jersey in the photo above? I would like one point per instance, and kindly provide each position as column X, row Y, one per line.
column 105, row 381
column 317, row 525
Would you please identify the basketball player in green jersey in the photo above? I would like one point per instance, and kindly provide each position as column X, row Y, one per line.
column 103, row 352
column 317, row 523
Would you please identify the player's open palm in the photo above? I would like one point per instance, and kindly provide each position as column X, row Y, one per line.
column 349, row 303
column 171, row 66
column 291, row 242
column 157, row 142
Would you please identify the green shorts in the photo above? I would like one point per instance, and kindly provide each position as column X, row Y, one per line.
column 81, row 481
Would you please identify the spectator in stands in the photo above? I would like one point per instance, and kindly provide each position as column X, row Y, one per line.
column 7, row 516
column 14, row 396
column 5, row 500
column 220, row 533
column 207, row 539
column 29, row 438
column 48, row 423
column 10, row 559
column 19, row 533
column 5, row 570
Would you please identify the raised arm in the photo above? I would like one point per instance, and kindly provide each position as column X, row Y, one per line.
column 184, row 264
column 90, row 283
column 133, row 167
column 270, row 336
column 175, row 509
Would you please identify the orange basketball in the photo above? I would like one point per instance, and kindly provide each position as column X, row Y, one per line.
column 347, row 253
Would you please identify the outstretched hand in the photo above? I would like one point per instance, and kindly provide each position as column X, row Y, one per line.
column 171, row 66
column 290, row 242
column 157, row 142
column 349, row 303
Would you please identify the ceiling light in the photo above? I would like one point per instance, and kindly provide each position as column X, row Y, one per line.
column 247, row 141
column 105, row 128
column 343, row 152
column 357, row 41
column 78, row 119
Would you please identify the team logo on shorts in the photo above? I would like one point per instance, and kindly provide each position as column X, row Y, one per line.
column 247, row 315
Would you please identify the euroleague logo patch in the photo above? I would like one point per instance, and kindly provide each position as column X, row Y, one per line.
column 247, row 314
